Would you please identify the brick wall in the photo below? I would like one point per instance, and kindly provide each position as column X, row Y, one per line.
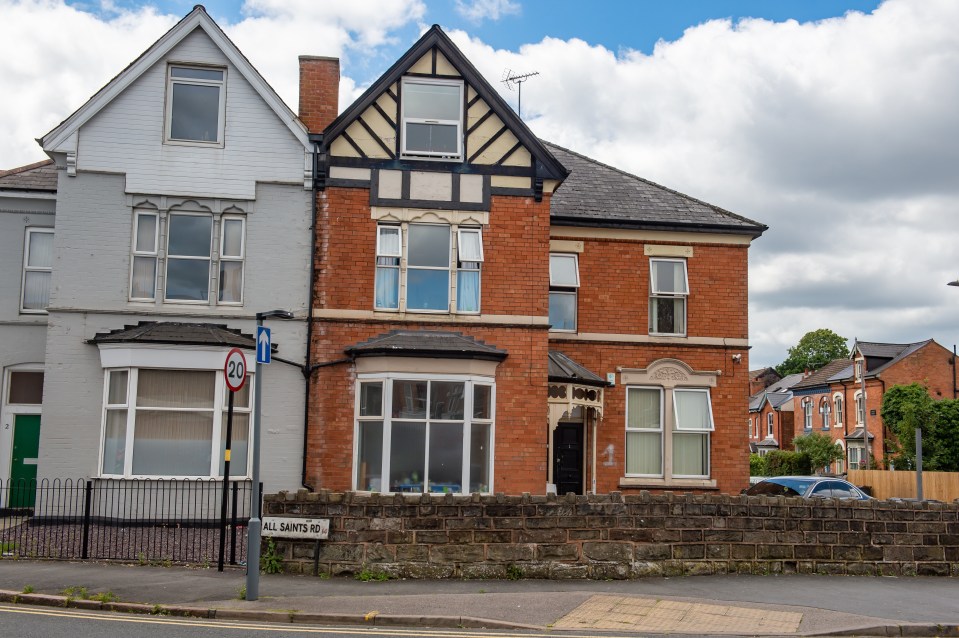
column 616, row 536
column 319, row 91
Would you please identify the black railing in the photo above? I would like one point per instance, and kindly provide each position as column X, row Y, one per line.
column 148, row 521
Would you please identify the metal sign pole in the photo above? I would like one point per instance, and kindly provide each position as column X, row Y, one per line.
column 226, row 480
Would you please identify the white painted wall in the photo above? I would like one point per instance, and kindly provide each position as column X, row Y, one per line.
column 127, row 137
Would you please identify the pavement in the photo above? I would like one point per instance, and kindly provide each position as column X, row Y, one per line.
column 781, row 605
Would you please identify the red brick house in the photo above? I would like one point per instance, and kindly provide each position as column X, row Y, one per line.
column 831, row 399
column 770, row 421
column 494, row 313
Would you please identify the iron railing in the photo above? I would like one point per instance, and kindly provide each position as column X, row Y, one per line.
column 148, row 521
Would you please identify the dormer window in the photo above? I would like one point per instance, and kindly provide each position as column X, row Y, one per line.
column 432, row 118
column 195, row 104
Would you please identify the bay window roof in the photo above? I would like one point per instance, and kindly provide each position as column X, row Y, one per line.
column 426, row 343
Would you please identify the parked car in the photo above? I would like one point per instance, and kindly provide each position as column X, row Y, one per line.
column 807, row 487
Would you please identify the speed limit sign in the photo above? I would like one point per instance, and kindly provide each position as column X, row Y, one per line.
column 235, row 370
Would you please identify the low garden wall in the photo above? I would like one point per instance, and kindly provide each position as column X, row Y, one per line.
column 613, row 536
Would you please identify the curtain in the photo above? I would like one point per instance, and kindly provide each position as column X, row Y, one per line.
column 389, row 241
column 231, row 280
column 115, row 442
column 690, row 454
column 239, row 443
column 470, row 246
column 467, row 290
column 232, row 238
column 172, row 443
column 146, row 233
column 143, row 285
column 176, row 389
column 387, row 287
column 41, row 250
column 644, row 409
column 692, row 410
column 644, row 453
column 36, row 290
column 117, row 393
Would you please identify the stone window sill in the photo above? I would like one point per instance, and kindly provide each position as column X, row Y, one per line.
column 658, row 483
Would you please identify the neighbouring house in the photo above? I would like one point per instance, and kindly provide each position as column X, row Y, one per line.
column 183, row 207
column 770, row 421
column 27, row 211
column 761, row 379
column 832, row 401
column 495, row 313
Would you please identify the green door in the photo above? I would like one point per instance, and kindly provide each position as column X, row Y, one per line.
column 23, row 471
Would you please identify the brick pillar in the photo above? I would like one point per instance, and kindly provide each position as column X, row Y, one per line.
column 319, row 91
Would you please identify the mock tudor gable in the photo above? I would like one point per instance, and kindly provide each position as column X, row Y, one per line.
column 432, row 104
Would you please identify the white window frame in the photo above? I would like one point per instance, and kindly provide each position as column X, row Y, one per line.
column 859, row 366
column 770, row 425
column 219, row 409
column 387, row 379
column 860, row 403
column 677, row 430
column 807, row 413
column 661, row 430
column 143, row 254
column 824, row 409
column 211, row 290
column 223, row 257
column 28, row 268
column 566, row 289
column 404, row 119
column 457, row 266
column 837, row 401
column 168, row 109
column 657, row 294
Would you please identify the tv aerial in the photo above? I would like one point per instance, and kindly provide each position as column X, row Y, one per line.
column 510, row 78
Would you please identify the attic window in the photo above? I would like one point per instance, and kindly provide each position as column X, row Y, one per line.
column 195, row 103
column 432, row 118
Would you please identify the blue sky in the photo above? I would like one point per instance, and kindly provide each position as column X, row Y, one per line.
column 833, row 122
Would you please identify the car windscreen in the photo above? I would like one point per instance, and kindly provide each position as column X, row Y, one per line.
column 779, row 487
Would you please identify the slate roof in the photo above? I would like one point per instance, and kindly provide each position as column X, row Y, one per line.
column 823, row 375
column 857, row 434
column 39, row 176
column 596, row 194
column 561, row 368
column 776, row 399
column 895, row 352
column 786, row 383
column 176, row 333
column 426, row 343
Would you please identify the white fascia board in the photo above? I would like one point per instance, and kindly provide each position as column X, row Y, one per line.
column 64, row 137
column 127, row 355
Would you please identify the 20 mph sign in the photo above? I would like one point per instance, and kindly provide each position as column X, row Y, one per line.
column 235, row 370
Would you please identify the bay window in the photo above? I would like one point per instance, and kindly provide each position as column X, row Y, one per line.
column 421, row 434
column 668, row 290
column 171, row 423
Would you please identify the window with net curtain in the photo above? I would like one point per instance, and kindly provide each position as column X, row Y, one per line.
column 669, row 289
column 166, row 423
column 37, row 270
column 689, row 431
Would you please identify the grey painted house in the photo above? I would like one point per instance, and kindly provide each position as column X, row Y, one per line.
column 183, row 208
column 27, row 206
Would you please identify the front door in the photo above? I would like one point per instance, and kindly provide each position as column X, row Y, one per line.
column 568, row 458
column 23, row 467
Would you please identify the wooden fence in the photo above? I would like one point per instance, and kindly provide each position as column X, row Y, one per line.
column 941, row 486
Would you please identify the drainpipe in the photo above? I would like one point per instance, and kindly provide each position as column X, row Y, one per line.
column 308, row 366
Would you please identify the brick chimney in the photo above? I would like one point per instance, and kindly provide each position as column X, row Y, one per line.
column 319, row 91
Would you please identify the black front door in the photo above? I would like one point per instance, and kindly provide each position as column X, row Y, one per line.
column 568, row 458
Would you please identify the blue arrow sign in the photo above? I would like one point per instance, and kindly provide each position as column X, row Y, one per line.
column 263, row 353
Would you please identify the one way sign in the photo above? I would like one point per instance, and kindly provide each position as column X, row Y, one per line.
column 263, row 354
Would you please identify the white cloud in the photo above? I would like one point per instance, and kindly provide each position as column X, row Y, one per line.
column 478, row 10
column 839, row 134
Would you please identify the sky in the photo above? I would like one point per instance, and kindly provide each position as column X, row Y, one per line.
column 834, row 122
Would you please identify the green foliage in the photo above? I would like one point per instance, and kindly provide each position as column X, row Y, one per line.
column 76, row 592
column 28, row 589
column 757, row 465
column 367, row 575
column 819, row 448
column 7, row 546
column 270, row 561
column 785, row 463
column 105, row 597
column 814, row 350
column 160, row 610
column 514, row 572
column 906, row 408
column 240, row 594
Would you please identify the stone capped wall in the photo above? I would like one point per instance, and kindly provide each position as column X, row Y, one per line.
column 617, row 536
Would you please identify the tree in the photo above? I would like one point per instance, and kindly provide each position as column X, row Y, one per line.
column 820, row 449
column 908, row 407
column 814, row 350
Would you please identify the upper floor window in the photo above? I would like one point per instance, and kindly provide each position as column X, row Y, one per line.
column 860, row 409
column 769, row 425
column 37, row 270
column 143, row 274
column 432, row 117
column 837, row 401
column 231, row 259
column 188, row 257
column 563, row 287
column 807, row 414
column 195, row 104
column 668, row 289
column 824, row 411
column 417, row 275
column 858, row 369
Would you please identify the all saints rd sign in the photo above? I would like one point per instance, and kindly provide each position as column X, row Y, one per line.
column 310, row 528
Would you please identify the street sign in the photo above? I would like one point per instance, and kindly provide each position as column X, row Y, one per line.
column 263, row 353
column 235, row 370
column 312, row 528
